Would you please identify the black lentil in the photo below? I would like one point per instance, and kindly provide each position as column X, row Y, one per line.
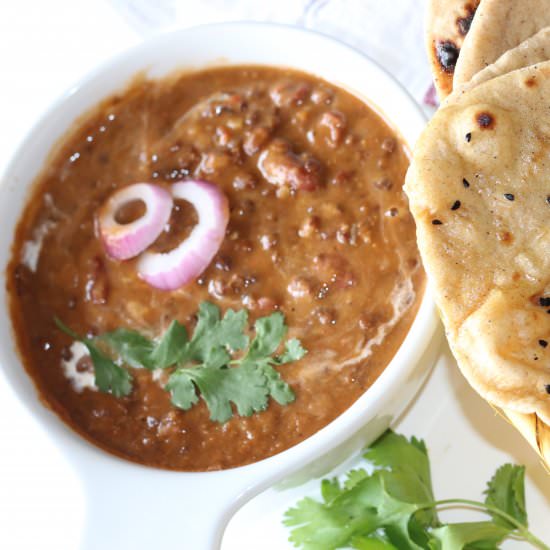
column 544, row 301
column 466, row 183
column 547, row 388
column 456, row 205
column 543, row 343
column 468, row 137
column 437, row 222
column 509, row 196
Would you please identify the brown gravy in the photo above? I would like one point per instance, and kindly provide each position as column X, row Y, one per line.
column 319, row 229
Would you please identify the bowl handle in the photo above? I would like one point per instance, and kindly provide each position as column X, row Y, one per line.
column 195, row 507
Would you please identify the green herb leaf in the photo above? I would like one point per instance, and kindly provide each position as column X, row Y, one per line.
column 357, row 512
column 375, row 542
column 506, row 491
column 330, row 489
column 171, row 348
column 409, row 462
column 182, row 390
column 483, row 534
column 246, row 383
column 276, row 386
column 391, row 506
column 132, row 347
column 293, row 352
column 109, row 377
column 203, row 366
column 244, row 386
column 269, row 333
column 213, row 337
column 353, row 477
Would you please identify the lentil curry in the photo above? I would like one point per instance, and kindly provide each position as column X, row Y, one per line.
column 319, row 229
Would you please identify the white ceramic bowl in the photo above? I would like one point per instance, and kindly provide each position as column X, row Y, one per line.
column 131, row 506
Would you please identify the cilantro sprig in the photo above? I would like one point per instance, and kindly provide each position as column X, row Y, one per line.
column 389, row 505
column 219, row 363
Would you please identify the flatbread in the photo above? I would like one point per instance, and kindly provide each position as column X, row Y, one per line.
column 479, row 192
column 535, row 49
column 499, row 26
column 448, row 22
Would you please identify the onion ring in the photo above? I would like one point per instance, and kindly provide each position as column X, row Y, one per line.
column 174, row 269
column 125, row 241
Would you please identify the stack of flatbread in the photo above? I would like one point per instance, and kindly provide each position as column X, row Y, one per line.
column 479, row 189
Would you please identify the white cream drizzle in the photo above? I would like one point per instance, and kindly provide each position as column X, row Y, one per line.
column 79, row 380
column 401, row 298
column 30, row 253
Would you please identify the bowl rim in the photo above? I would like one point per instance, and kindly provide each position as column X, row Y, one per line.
column 420, row 334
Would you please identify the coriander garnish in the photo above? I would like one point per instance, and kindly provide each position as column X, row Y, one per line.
column 204, row 365
column 389, row 505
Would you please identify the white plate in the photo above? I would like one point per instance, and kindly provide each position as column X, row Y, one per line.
column 466, row 441
column 117, row 491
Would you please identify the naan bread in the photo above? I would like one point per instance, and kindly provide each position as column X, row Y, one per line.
column 480, row 193
column 535, row 49
column 448, row 22
column 499, row 26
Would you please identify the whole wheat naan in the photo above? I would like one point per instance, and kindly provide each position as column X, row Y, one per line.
column 479, row 189
column 448, row 22
column 499, row 26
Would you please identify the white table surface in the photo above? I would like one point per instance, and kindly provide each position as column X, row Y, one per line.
column 44, row 48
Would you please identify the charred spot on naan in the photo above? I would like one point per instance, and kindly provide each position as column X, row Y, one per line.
column 446, row 53
column 447, row 50
column 447, row 30
column 485, row 121
column 464, row 23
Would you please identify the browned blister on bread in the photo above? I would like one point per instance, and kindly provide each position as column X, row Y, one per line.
column 448, row 24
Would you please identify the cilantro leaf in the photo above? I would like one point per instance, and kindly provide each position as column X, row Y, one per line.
column 214, row 336
column 182, row 390
column 109, row 377
column 391, row 506
column 353, row 477
column 330, row 489
column 317, row 526
column 248, row 382
column 409, row 462
column 293, row 352
column 230, row 332
column 137, row 351
column 360, row 511
column 270, row 331
column 395, row 453
column 506, row 491
column 133, row 348
column 244, row 386
column 373, row 542
column 482, row 534
column 203, row 366
column 276, row 386
column 171, row 348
